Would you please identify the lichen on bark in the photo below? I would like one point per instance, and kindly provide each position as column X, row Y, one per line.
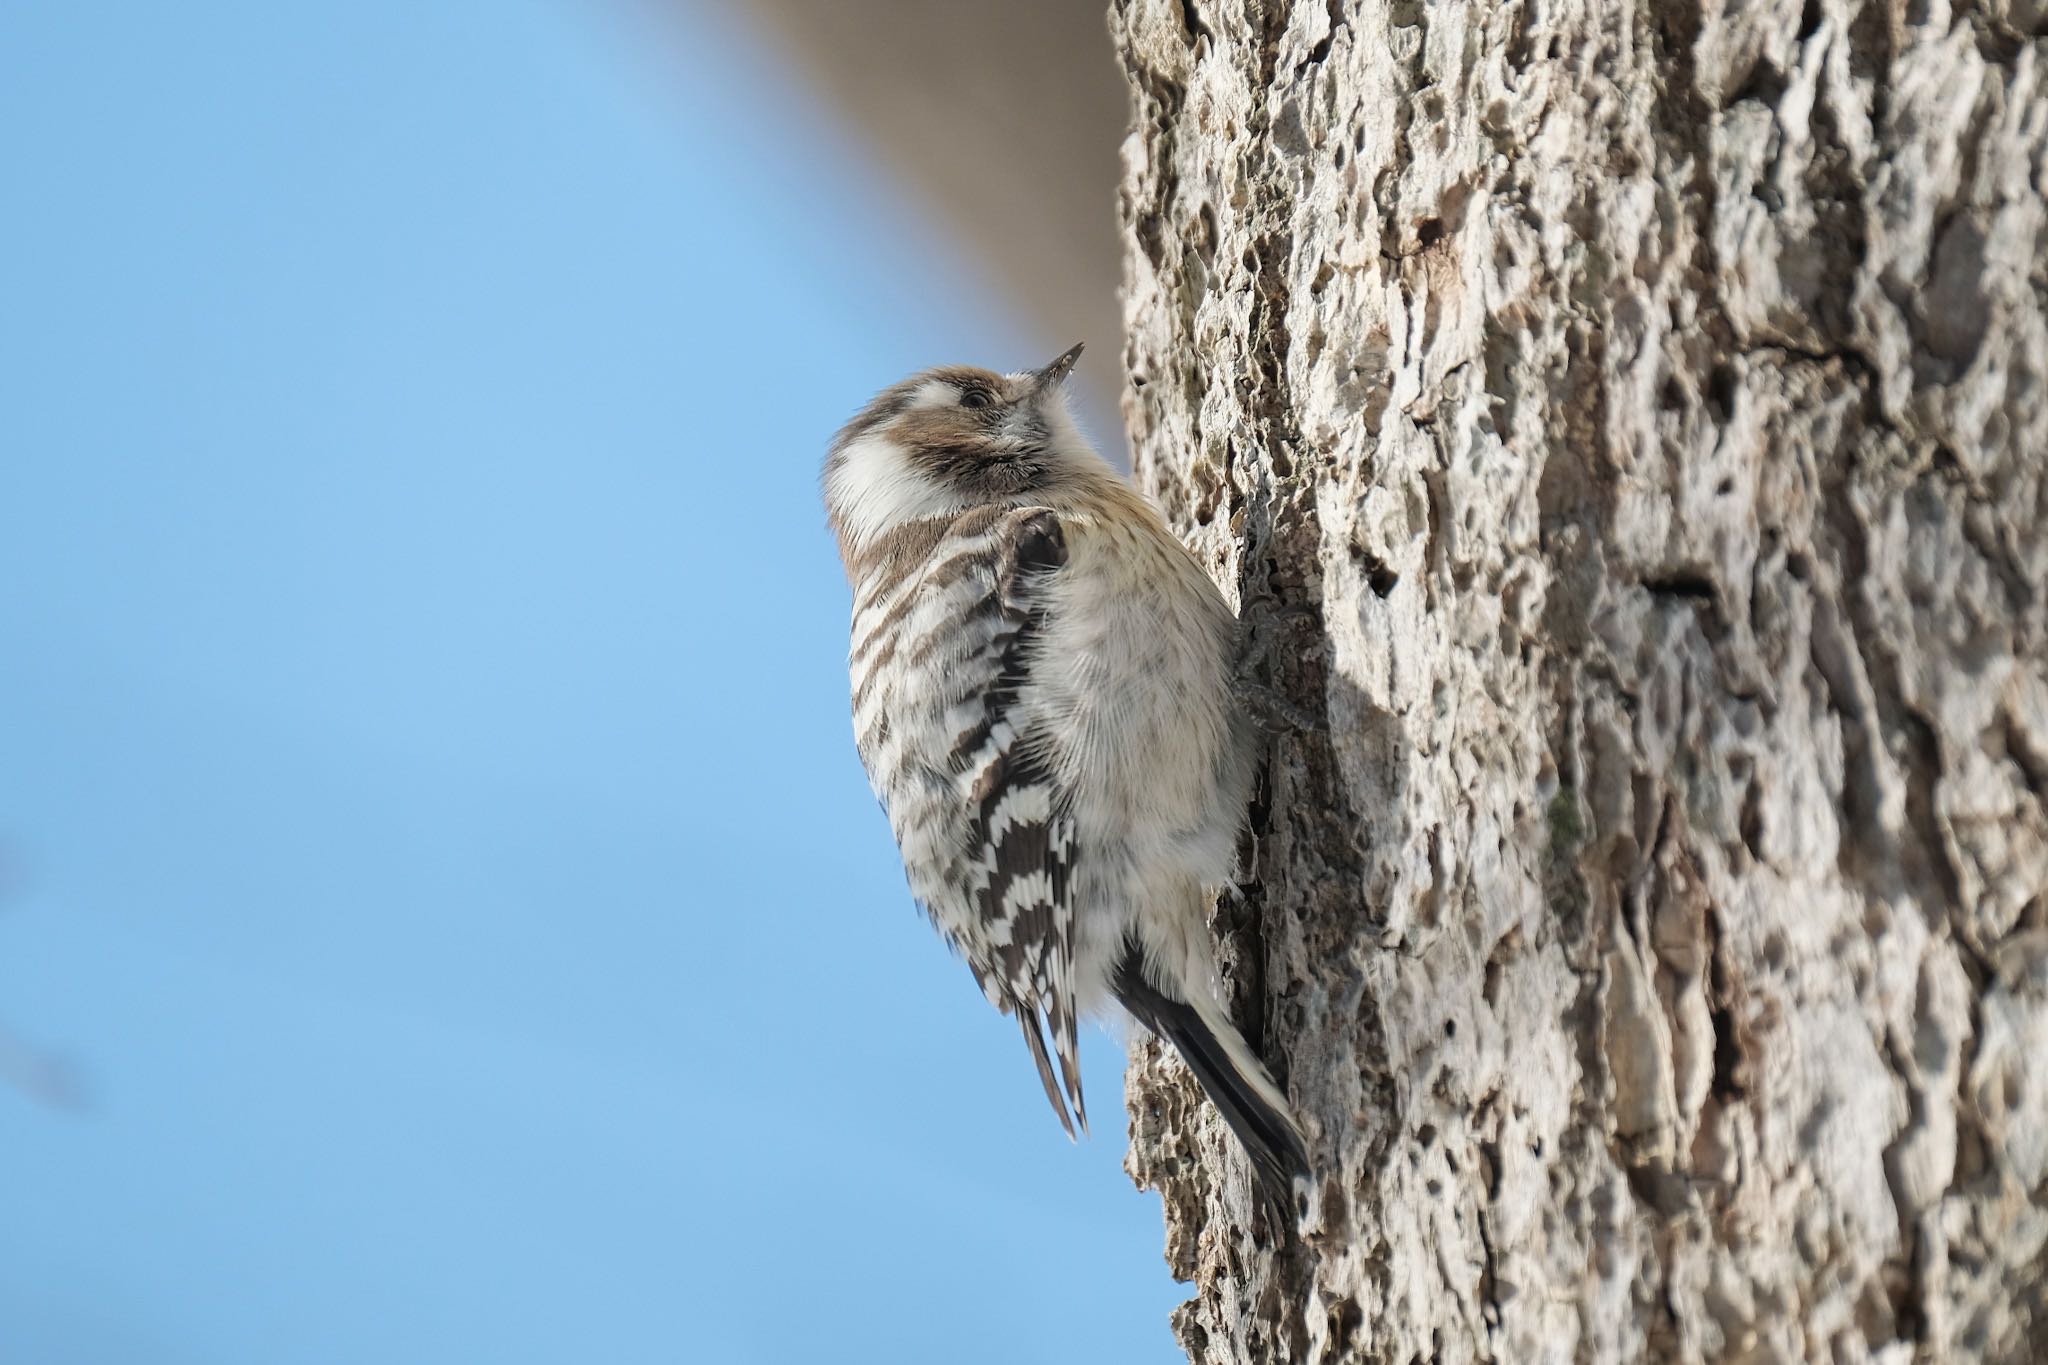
column 1633, row 420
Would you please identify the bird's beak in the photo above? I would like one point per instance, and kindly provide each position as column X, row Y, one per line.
column 1055, row 374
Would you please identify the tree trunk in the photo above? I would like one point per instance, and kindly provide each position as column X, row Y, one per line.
column 1630, row 424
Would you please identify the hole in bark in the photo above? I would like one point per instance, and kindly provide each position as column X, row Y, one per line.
column 1727, row 1047
column 1721, row 388
column 1191, row 20
column 1429, row 232
column 1689, row 587
column 1346, row 1317
column 1752, row 822
column 1902, row 1284
column 1450, row 1028
column 1378, row 576
column 1766, row 85
column 1727, row 1055
column 1207, row 484
column 1809, row 19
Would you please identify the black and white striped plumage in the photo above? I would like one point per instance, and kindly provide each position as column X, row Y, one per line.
column 1042, row 699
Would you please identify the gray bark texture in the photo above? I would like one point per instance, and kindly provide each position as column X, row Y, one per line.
column 1627, row 423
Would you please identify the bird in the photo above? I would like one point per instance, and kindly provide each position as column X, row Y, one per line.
column 1044, row 700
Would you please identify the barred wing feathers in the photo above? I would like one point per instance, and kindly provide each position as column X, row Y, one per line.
column 1021, row 828
column 946, row 628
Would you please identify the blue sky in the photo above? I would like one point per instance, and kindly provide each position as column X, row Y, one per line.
column 426, row 792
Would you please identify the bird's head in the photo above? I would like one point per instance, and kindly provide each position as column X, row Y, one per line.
column 950, row 439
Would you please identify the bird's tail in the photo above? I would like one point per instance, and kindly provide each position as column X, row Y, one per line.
column 1231, row 1075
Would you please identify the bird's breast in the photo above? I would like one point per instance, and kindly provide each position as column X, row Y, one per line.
column 1134, row 678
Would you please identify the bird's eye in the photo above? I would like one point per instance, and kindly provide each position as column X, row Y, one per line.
column 976, row 398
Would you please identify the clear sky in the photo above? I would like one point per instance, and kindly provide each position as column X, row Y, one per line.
column 428, row 804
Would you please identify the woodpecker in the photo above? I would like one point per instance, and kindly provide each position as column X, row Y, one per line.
column 1043, row 699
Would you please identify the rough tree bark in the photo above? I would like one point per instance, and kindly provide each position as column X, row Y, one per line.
column 1631, row 420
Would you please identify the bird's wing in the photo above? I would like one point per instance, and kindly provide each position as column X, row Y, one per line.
column 1021, row 837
